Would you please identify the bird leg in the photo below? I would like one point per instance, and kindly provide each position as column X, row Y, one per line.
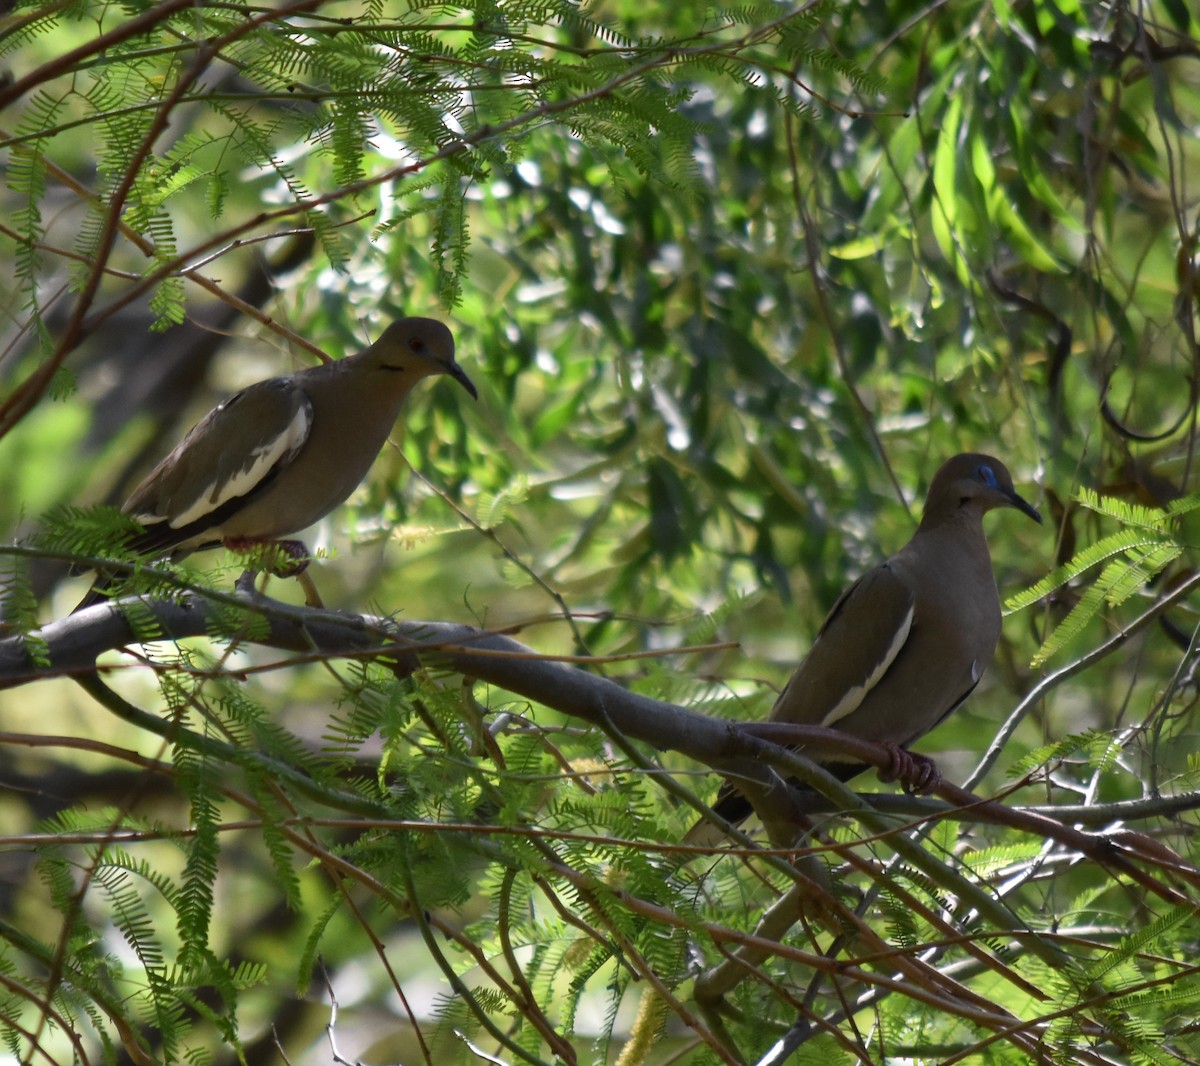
column 312, row 598
column 917, row 773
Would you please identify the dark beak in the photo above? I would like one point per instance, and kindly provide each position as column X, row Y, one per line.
column 1025, row 506
column 460, row 375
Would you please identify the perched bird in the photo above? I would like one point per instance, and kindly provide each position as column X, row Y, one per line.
column 281, row 454
column 909, row 640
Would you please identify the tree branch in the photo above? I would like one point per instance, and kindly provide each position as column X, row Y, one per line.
column 71, row 645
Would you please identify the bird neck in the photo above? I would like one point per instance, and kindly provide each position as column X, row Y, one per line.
column 955, row 529
column 365, row 377
column 952, row 512
column 371, row 392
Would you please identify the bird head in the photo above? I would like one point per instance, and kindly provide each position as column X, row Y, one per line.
column 420, row 347
column 975, row 480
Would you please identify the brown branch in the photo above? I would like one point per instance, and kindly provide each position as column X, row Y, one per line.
column 73, row 644
column 25, row 395
column 67, row 62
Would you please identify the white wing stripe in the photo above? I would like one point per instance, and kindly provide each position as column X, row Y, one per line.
column 258, row 464
column 849, row 703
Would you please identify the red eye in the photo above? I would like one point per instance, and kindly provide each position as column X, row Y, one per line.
column 416, row 344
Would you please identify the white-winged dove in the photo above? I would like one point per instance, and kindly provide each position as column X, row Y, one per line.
column 909, row 640
column 281, row 454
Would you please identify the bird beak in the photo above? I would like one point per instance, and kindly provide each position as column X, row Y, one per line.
column 1025, row 506
column 460, row 375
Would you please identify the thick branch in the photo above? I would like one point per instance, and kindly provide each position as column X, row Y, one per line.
column 71, row 645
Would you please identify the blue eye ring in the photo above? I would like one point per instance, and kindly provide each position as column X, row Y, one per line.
column 987, row 475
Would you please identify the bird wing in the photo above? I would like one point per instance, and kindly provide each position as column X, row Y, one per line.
column 231, row 455
column 857, row 644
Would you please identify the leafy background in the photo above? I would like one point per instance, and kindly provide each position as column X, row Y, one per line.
column 732, row 283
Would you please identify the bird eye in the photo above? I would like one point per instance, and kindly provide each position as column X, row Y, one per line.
column 987, row 475
column 416, row 344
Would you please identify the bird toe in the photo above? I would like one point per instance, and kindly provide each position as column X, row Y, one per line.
column 916, row 773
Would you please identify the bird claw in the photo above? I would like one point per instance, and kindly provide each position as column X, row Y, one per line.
column 916, row 773
column 293, row 559
column 283, row 558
